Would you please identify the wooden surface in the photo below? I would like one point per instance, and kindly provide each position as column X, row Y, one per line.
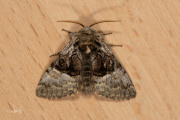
column 149, row 33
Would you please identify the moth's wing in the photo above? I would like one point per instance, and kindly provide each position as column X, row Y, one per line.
column 112, row 80
column 61, row 78
column 55, row 84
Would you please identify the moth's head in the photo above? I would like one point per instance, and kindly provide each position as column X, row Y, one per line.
column 87, row 30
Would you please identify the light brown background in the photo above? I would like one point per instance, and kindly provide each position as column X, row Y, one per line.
column 149, row 33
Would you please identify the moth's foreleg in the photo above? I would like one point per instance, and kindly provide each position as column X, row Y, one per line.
column 112, row 45
column 66, row 31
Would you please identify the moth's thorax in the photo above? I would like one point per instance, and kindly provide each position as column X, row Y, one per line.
column 88, row 40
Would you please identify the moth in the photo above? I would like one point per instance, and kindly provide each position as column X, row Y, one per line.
column 86, row 64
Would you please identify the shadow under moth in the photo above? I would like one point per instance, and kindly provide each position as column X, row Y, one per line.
column 86, row 64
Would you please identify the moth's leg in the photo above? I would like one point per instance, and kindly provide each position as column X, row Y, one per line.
column 112, row 45
column 66, row 31
column 55, row 54
column 107, row 33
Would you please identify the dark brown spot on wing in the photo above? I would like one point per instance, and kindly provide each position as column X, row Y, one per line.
column 75, row 65
column 102, row 65
column 73, row 68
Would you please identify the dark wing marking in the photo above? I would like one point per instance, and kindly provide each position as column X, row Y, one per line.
column 61, row 78
column 112, row 81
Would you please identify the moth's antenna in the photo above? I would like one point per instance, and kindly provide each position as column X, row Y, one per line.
column 71, row 21
column 104, row 21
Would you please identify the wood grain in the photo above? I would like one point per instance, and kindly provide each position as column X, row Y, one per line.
column 149, row 33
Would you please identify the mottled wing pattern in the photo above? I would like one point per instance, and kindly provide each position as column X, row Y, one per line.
column 112, row 81
column 61, row 78
column 55, row 84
